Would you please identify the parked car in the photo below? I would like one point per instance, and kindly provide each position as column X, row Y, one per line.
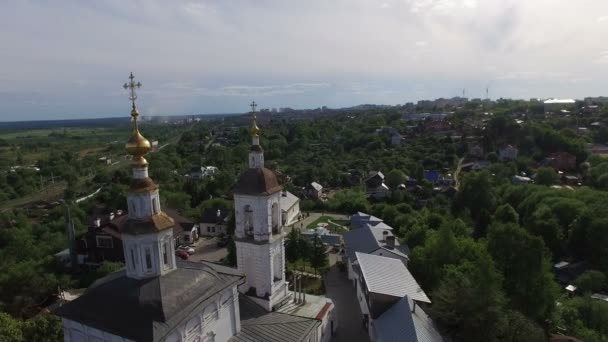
column 186, row 249
column 182, row 254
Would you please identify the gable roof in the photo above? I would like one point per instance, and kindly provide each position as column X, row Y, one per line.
column 288, row 200
column 210, row 215
column 405, row 323
column 367, row 239
column 316, row 186
column 390, row 277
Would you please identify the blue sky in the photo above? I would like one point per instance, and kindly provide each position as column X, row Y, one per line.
column 67, row 59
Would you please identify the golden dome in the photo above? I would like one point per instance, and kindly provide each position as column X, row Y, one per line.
column 255, row 130
column 137, row 145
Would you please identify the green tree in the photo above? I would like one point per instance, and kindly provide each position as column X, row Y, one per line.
column 520, row 328
column 394, row 178
column 546, row 176
column 590, row 281
column 476, row 194
column 318, row 257
column 10, row 330
column 469, row 300
column 506, row 214
column 528, row 280
column 43, row 328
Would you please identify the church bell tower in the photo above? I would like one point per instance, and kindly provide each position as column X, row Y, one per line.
column 259, row 236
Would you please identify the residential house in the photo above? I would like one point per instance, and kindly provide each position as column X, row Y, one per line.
column 103, row 239
column 101, row 242
column 214, row 222
column 476, row 151
column 562, row 161
column 437, row 126
column 396, row 139
column 290, row 208
column 314, row 190
column 521, row 180
column 203, row 171
column 389, row 297
column 598, row 149
column 371, row 235
column 375, row 185
column 508, row 152
column 554, row 105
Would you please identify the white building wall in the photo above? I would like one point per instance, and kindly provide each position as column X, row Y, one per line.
column 218, row 321
column 291, row 214
column 206, row 231
column 76, row 332
column 143, row 204
column 136, row 247
column 261, row 207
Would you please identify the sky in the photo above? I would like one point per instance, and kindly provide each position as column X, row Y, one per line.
column 68, row 59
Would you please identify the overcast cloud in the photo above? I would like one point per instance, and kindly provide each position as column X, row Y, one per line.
column 68, row 58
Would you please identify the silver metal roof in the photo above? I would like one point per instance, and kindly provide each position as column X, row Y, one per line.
column 404, row 323
column 390, row 277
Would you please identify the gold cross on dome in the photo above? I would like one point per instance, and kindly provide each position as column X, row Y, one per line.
column 132, row 86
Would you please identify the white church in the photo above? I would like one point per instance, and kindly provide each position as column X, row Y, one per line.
column 159, row 298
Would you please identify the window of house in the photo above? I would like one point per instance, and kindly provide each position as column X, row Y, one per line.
column 208, row 229
column 165, row 253
column 148, row 259
column 133, row 259
column 104, row 241
column 154, row 205
column 213, row 229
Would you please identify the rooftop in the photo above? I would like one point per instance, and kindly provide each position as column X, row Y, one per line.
column 390, row 277
column 132, row 308
column 405, row 323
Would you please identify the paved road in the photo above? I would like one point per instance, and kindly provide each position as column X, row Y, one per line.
column 341, row 291
column 206, row 249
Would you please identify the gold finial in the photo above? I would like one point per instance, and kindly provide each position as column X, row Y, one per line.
column 137, row 145
column 255, row 130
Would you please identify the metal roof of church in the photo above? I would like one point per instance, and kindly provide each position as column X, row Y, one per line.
column 130, row 307
column 257, row 325
column 257, row 181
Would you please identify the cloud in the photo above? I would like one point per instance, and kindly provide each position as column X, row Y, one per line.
column 291, row 53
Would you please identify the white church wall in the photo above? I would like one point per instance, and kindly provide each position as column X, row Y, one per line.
column 136, row 248
column 261, row 207
column 143, row 204
column 217, row 321
column 76, row 332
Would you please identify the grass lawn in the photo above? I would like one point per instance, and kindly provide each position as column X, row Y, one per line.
column 322, row 219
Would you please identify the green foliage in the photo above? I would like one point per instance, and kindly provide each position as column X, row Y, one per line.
column 468, row 300
column 42, row 328
column 584, row 318
column 521, row 259
column 546, row 176
column 506, row 214
column 10, row 330
column 591, row 281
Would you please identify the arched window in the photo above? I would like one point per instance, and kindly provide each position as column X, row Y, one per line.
column 154, row 210
column 276, row 218
column 248, row 220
